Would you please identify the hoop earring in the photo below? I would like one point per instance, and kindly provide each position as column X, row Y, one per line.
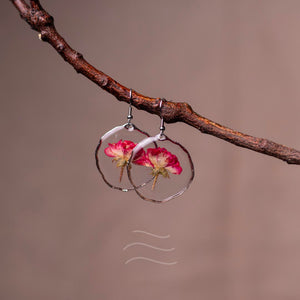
column 113, row 152
column 163, row 162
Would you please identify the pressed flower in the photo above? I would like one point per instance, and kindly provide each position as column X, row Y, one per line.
column 161, row 161
column 120, row 152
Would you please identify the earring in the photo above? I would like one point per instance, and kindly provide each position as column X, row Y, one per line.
column 163, row 162
column 113, row 152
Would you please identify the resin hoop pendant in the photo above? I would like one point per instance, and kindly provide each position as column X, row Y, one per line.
column 167, row 168
column 113, row 153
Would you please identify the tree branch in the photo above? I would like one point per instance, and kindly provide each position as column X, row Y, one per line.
column 172, row 112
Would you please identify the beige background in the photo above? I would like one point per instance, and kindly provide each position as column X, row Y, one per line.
column 236, row 231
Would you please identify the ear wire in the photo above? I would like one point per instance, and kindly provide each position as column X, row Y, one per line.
column 162, row 122
column 130, row 116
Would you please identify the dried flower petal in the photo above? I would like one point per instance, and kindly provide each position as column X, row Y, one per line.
column 120, row 152
column 161, row 161
column 161, row 158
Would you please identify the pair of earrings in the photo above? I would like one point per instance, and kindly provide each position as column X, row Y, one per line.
column 157, row 168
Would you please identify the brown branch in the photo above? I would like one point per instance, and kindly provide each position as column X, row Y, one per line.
column 172, row 112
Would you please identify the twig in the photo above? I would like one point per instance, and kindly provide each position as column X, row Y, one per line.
column 172, row 112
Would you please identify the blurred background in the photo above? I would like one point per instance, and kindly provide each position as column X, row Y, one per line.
column 236, row 231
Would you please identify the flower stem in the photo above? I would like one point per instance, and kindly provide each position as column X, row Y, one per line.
column 121, row 173
column 155, row 180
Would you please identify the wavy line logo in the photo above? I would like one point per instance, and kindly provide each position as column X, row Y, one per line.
column 145, row 245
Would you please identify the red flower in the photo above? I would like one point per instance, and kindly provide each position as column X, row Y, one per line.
column 121, row 152
column 161, row 161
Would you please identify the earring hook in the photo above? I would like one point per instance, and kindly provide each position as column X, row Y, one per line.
column 162, row 122
column 130, row 116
